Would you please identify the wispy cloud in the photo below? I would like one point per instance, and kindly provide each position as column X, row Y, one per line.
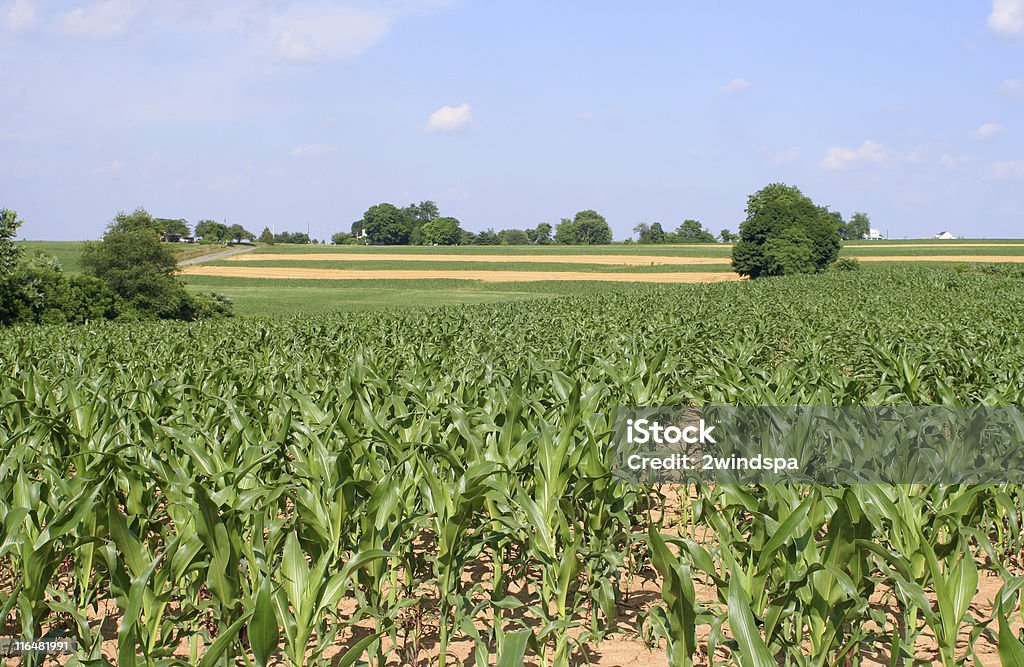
column 1012, row 170
column 313, row 150
column 311, row 33
column 839, row 158
column 107, row 18
column 1012, row 89
column 18, row 15
column 735, row 86
column 450, row 119
column 987, row 131
column 1007, row 18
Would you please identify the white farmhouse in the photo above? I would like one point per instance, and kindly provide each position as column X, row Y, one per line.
column 873, row 235
column 945, row 236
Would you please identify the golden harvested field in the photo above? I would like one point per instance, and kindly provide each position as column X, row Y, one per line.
column 882, row 246
column 484, row 276
column 616, row 260
column 610, row 260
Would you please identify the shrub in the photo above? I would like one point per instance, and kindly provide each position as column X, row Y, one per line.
column 846, row 264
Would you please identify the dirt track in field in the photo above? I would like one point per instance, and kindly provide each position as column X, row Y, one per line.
column 483, row 276
column 616, row 260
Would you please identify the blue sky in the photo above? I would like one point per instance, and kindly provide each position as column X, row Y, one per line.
column 507, row 114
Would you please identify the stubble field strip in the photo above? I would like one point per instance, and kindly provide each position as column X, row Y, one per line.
column 370, row 265
column 612, row 260
column 484, row 276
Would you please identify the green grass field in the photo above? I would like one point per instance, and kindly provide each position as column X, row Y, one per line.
column 256, row 298
column 67, row 252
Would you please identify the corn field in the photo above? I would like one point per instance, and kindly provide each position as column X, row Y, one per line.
column 380, row 487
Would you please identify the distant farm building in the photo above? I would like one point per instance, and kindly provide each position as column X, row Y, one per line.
column 945, row 236
column 874, row 235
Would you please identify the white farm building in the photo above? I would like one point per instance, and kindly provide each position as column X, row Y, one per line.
column 945, row 236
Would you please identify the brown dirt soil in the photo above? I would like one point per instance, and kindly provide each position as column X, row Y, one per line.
column 484, row 276
column 615, row 260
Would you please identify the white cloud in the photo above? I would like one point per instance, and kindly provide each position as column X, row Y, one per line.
column 107, row 18
column 788, row 156
column 310, row 33
column 1010, row 171
column 313, row 150
column 449, row 119
column 1012, row 89
column 839, row 158
column 987, row 131
column 948, row 161
column 19, row 15
column 735, row 86
column 1007, row 17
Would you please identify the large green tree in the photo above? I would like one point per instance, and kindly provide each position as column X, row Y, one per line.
column 591, row 228
column 211, row 230
column 857, row 228
column 419, row 215
column 387, row 224
column 514, row 237
column 10, row 253
column 691, row 231
column 486, row 237
column 239, row 233
column 650, row 233
column 137, row 220
column 139, row 268
column 785, row 232
column 176, row 226
column 541, row 234
column 441, row 231
column 566, row 232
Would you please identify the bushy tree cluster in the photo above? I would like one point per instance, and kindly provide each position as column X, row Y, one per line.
column 291, row 237
column 416, row 224
column 857, row 228
column 586, row 228
column 218, row 232
column 690, row 231
column 785, row 233
column 131, row 275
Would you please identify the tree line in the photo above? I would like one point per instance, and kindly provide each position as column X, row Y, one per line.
column 423, row 224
